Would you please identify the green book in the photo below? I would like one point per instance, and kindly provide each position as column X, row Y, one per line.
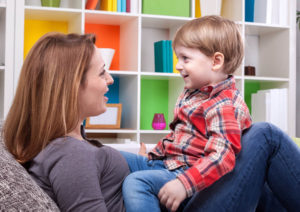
column 167, row 7
column 170, row 57
column 160, row 56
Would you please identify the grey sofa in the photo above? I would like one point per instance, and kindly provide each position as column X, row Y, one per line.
column 18, row 192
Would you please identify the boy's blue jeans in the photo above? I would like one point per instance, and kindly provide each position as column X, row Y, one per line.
column 269, row 159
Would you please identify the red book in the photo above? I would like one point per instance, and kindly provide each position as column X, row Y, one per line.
column 128, row 6
column 91, row 4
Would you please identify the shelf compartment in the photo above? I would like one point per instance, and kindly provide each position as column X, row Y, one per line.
column 158, row 96
column 152, row 138
column 39, row 22
column 261, row 50
column 122, row 91
column 253, row 85
column 112, row 136
column 119, row 32
column 63, row 4
column 153, row 30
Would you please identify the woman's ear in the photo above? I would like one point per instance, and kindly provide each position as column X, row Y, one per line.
column 218, row 61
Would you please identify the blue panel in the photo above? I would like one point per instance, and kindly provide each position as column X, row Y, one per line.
column 113, row 93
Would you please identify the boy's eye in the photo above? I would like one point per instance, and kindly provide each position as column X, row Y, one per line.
column 185, row 58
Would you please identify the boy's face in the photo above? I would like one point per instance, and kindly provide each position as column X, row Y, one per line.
column 194, row 67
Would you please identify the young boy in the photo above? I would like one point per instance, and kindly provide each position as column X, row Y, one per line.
column 209, row 118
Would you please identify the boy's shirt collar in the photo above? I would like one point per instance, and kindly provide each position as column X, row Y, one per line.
column 210, row 90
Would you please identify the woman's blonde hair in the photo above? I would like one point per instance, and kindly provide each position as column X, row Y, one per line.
column 211, row 34
column 45, row 105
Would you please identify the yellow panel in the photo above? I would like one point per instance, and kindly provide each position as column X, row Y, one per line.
column 175, row 60
column 34, row 29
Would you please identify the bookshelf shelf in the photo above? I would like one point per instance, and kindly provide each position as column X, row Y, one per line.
column 267, row 79
column 126, row 131
column 142, row 91
column 155, row 131
column 59, row 14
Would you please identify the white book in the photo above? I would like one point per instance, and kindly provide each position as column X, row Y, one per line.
column 283, row 12
column 275, row 104
column 260, row 103
column 275, row 12
column 210, row 7
column 263, row 11
column 284, row 109
column 134, row 6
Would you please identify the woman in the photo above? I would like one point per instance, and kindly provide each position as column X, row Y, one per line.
column 62, row 82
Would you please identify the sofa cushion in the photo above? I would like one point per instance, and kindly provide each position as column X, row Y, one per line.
column 18, row 191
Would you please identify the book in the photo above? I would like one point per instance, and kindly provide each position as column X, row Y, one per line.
column 263, row 11
column 197, row 9
column 91, row 4
column 249, row 10
column 167, row 7
column 283, row 12
column 169, row 57
column 128, row 6
column 160, row 56
column 175, row 60
column 119, row 6
column 114, row 5
column 134, row 6
column 210, row 7
column 123, row 7
column 271, row 106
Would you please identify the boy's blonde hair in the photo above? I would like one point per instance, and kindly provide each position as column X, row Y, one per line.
column 211, row 34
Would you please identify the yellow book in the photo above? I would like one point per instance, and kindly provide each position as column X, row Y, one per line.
column 114, row 7
column 105, row 5
column 175, row 60
column 197, row 9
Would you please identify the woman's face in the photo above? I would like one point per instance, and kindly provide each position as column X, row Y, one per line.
column 92, row 101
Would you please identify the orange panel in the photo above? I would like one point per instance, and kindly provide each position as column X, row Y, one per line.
column 107, row 36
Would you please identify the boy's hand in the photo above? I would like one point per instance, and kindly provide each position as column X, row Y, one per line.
column 172, row 194
column 142, row 150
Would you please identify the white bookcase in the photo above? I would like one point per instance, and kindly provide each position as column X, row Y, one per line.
column 6, row 55
column 271, row 48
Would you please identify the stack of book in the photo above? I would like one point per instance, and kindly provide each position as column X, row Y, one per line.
column 129, row 6
column 271, row 106
column 267, row 11
column 163, row 56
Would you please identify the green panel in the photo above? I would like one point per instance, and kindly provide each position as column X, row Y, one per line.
column 154, row 99
column 167, row 7
column 250, row 87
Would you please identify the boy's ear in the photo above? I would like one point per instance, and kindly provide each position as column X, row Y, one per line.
column 218, row 61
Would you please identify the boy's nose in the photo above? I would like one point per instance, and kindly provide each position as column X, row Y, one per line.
column 178, row 66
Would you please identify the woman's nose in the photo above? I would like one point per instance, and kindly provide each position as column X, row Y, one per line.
column 109, row 79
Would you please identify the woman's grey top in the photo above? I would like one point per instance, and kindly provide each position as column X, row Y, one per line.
column 79, row 176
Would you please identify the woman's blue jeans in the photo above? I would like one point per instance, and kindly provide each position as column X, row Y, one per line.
column 269, row 159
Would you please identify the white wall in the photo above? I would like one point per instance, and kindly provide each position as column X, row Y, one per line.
column 298, row 78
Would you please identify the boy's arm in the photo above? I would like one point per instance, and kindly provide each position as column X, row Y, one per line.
column 224, row 127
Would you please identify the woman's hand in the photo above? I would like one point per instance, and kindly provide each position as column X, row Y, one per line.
column 142, row 150
column 172, row 194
